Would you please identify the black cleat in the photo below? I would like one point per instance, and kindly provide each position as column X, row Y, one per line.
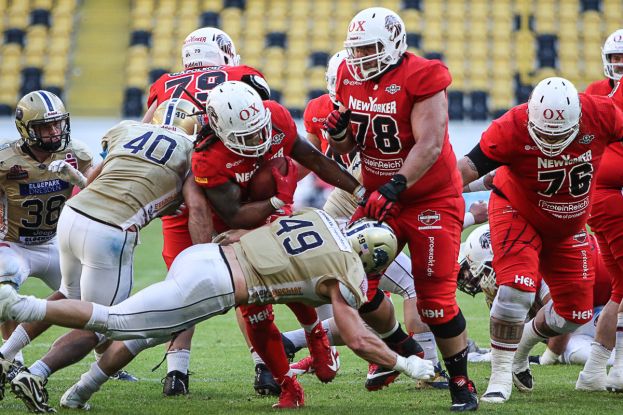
column 31, row 390
column 289, row 348
column 523, row 380
column 464, row 395
column 265, row 383
column 175, row 383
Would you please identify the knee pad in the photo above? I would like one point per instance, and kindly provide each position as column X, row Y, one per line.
column 255, row 315
column 511, row 305
column 450, row 328
column 558, row 323
column 373, row 304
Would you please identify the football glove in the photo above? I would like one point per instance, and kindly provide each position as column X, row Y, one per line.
column 415, row 367
column 286, row 185
column 382, row 202
column 337, row 124
column 68, row 173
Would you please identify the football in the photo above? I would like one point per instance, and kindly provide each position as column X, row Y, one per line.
column 262, row 184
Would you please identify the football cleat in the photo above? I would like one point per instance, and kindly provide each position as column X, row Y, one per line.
column 73, row 400
column 265, row 383
column 378, row 377
column 31, row 390
column 590, row 382
column 497, row 392
column 291, row 395
column 440, row 381
column 289, row 347
column 126, row 377
column 325, row 359
column 5, row 368
column 523, row 380
column 175, row 383
column 302, row 366
column 464, row 395
column 15, row 369
column 614, row 381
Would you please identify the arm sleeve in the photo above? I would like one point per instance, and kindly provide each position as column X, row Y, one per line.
column 483, row 163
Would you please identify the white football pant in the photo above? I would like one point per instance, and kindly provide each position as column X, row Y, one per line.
column 19, row 261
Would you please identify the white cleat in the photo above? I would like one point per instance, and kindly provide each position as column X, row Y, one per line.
column 497, row 393
column 614, row 381
column 71, row 399
column 590, row 382
column 8, row 297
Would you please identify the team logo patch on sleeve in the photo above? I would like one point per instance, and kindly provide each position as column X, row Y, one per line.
column 17, row 172
column 71, row 159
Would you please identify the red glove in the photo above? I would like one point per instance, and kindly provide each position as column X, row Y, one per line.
column 382, row 202
column 337, row 123
column 286, row 185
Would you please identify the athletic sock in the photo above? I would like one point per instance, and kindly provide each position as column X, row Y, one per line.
column 39, row 368
column 597, row 360
column 427, row 341
column 618, row 348
column 178, row 360
column 456, row 365
column 306, row 315
column 529, row 338
column 15, row 343
column 90, row 382
column 297, row 337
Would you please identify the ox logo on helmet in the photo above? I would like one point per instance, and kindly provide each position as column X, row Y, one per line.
column 485, row 240
column 549, row 114
column 356, row 26
column 393, row 26
column 248, row 112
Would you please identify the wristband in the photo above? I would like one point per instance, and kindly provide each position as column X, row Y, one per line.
column 468, row 220
column 401, row 363
column 277, row 203
column 340, row 136
column 477, row 185
column 359, row 193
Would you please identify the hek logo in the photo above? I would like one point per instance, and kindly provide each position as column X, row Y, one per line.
column 429, row 217
column 392, row 89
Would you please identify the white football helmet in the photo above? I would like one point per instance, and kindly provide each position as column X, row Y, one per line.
column 554, row 113
column 374, row 242
column 209, row 46
column 476, row 258
column 613, row 45
column 178, row 115
column 376, row 27
column 331, row 74
column 237, row 115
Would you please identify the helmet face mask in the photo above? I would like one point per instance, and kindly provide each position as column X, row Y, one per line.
column 42, row 121
column 374, row 242
column 376, row 39
column 554, row 113
column 613, row 46
column 239, row 119
column 209, row 46
column 476, row 272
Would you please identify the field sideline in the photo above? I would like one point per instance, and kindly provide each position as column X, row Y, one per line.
column 223, row 373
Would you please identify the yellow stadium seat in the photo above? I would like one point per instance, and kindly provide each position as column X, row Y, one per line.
column 412, row 19
column 294, row 99
column 160, row 60
column 34, row 60
column 143, row 22
column 433, row 10
column 54, row 78
column 211, row 5
column 41, row 4
column 59, row 46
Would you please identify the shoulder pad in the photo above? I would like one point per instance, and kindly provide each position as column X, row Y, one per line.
column 81, row 150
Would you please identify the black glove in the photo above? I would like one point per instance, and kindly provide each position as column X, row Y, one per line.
column 337, row 123
column 205, row 138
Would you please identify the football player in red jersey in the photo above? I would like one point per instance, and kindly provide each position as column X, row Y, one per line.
column 549, row 150
column 243, row 130
column 395, row 112
column 209, row 58
column 604, row 221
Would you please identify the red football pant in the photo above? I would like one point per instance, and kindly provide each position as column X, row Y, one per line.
column 521, row 253
column 176, row 237
column 432, row 231
column 605, row 221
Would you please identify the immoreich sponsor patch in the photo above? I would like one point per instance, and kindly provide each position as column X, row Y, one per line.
column 42, row 188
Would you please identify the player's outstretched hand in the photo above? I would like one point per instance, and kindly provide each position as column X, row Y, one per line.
column 415, row 367
column 68, row 173
column 286, row 184
column 381, row 204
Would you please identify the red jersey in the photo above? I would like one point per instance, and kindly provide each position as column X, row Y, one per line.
column 218, row 165
column 314, row 117
column 610, row 175
column 199, row 82
column 551, row 193
column 602, row 87
column 381, row 124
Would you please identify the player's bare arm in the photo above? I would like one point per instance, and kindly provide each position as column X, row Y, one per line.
column 475, row 165
column 225, row 199
column 325, row 168
column 303, row 171
column 200, row 223
column 93, row 171
column 150, row 112
column 428, row 123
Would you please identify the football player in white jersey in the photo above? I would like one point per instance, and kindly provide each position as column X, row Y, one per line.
column 207, row 280
column 141, row 178
column 34, row 185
